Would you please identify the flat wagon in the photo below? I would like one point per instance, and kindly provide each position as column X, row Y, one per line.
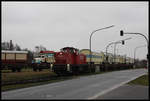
column 45, row 60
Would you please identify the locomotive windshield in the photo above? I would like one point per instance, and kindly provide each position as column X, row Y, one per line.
column 50, row 55
column 47, row 55
column 70, row 50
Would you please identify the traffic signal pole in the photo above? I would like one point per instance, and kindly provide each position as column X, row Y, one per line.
column 148, row 56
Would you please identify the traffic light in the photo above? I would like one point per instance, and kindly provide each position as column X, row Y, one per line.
column 122, row 42
column 121, row 33
column 148, row 56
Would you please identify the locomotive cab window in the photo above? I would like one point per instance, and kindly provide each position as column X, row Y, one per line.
column 76, row 51
column 50, row 55
column 65, row 51
column 71, row 51
column 42, row 56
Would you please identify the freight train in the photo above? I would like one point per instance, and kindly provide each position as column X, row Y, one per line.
column 68, row 60
column 71, row 60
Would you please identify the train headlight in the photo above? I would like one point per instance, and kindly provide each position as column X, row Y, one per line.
column 51, row 66
column 68, row 67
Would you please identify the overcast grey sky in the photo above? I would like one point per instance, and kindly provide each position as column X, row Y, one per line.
column 59, row 24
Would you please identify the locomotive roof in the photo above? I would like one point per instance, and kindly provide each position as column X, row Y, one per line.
column 70, row 48
column 8, row 51
column 85, row 49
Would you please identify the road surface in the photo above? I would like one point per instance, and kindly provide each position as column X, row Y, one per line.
column 87, row 87
column 125, row 92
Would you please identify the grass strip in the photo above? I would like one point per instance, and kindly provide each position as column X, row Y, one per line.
column 142, row 80
column 17, row 86
column 17, row 76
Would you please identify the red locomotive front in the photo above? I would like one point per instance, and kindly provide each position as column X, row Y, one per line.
column 68, row 60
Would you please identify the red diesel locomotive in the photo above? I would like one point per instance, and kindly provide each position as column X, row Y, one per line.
column 69, row 60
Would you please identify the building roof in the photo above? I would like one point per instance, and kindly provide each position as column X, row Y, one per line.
column 47, row 52
column 8, row 51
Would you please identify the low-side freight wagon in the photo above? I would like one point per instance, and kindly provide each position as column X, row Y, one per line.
column 14, row 60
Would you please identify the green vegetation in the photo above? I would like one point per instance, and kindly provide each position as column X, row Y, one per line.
column 17, row 86
column 6, row 71
column 143, row 80
column 22, row 70
column 26, row 75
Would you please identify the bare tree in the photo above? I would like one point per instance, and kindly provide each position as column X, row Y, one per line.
column 7, row 46
column 42, row 48
column 17, row 47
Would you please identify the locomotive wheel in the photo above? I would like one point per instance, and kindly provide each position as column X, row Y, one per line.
column 34, row 69
column 76, row 73
column 13, row 70
column 59, row 74
column 19, row 69
column 40, row 69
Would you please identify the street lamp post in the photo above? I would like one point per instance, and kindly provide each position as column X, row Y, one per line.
column 106, row 57
column 115, row 50
column 91, row 37
column 120, row 41
column 148, row 56
column 136, row 50
column 106, row 60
